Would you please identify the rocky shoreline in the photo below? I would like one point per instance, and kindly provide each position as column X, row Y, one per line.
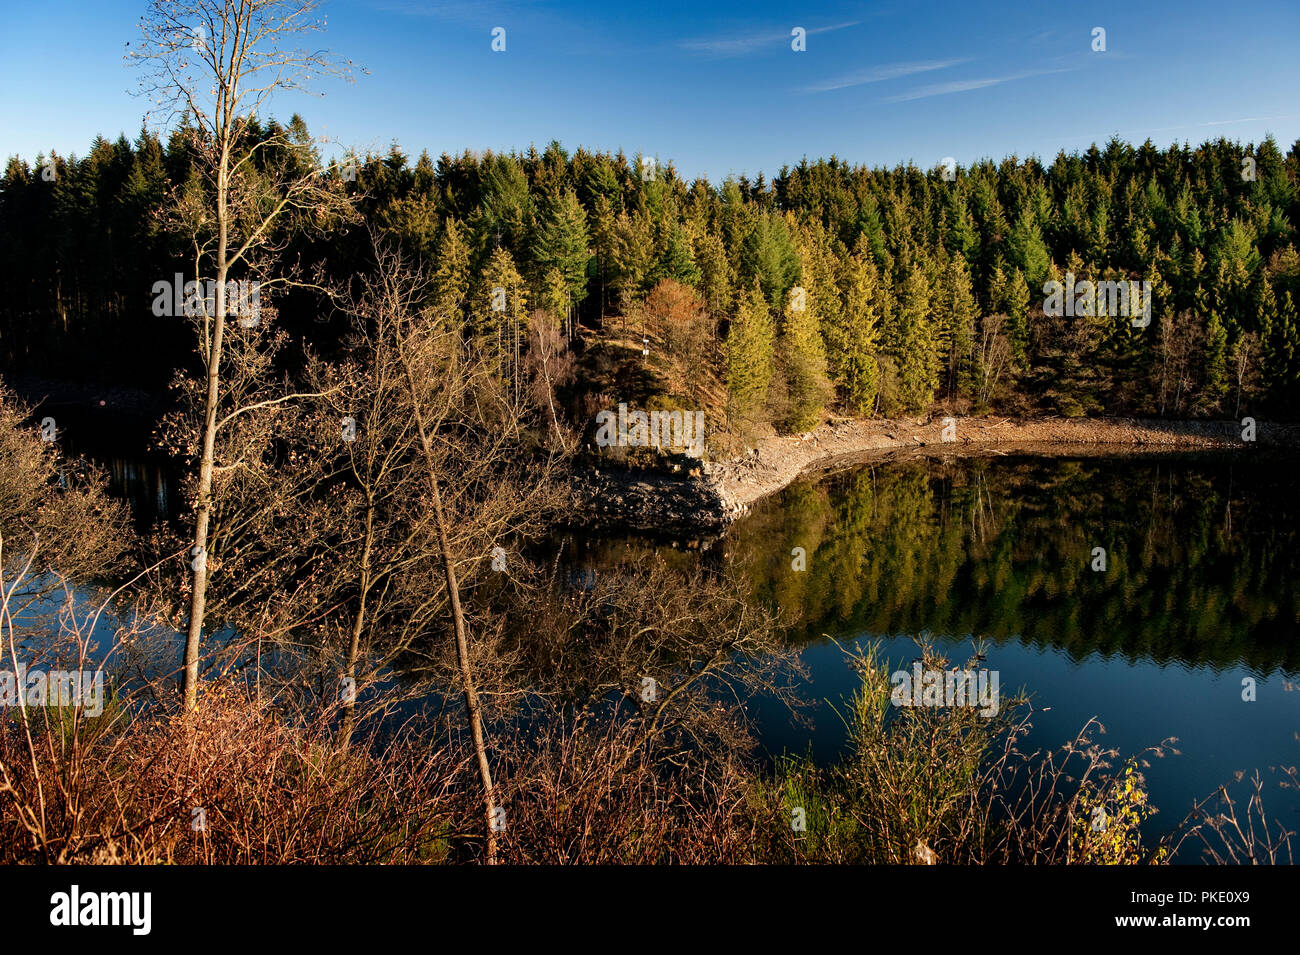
column 722, row 491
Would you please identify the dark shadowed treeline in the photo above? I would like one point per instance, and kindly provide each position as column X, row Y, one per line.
column 869, row 290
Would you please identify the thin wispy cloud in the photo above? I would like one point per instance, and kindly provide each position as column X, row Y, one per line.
column 1220, row 122
column 742, row 45
column 882, row 73
column 964, row 86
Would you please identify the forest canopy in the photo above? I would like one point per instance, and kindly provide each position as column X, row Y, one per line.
column 830, row 286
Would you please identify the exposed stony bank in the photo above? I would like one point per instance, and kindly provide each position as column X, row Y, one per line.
column 721, row 491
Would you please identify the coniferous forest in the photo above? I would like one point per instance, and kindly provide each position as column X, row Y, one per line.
column 829, row 286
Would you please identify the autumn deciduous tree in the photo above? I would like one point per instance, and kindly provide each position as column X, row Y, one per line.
column 61, row 503
column 991, row 359
column 674, row 313
column 550, row 367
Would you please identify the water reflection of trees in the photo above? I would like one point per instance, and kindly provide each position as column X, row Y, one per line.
column 1200, row 555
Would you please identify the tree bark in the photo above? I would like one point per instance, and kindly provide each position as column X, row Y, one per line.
column 198, row 552
column 358, row 626
column 473, row 712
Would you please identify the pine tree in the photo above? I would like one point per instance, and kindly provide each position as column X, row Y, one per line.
column 961, row 239
column 856, row 326
column 715, row 272
column 1280, row 338
column 604, row 240
column 675, row 258
column 497, row 311
column 769, row 258
column 555, row 295
column 505, row 213
column 1215, row 380
column 451, row 277
column 1016, row 307
column 803, row 359
column 1027, row 251
column 561, row 245
column 996, row 292
column 956, row 312
column 633, row 256
column 750, row 345
column 870, row 231
column 915, row 358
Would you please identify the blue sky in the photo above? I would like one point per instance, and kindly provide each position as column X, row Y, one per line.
column 716, row 87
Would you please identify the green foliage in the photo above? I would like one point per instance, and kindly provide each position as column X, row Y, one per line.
column 913, row 785
column 1108, row 821
column 955, row 313
column 853, row 334
column 451, row 279
column 769, row 258
column 803, row 361
column 505, row 213
column 1215, row 365
column 561, row 243
column 750, row 349
column 1016, row 307
column 1027, row 251
column 915, row 356
column 80, row 249
column 498, row 333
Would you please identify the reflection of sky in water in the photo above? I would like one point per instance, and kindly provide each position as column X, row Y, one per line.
column 54, row 613
column 1139, row 704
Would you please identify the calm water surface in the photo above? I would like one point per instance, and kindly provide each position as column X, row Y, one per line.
column 1199, row 594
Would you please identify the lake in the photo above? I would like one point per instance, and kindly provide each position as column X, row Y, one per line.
column 1198, row 594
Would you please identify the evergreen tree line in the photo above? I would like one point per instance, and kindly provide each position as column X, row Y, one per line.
column 831, row 286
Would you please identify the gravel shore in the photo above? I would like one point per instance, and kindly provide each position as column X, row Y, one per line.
column 724, row 490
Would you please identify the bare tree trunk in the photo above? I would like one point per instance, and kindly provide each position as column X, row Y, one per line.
column 473, row 711
column 198, row 597
column 358, row 626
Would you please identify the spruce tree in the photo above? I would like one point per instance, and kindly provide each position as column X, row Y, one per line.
column 715, row 272
column 750, row 345
column 497, row 311
column 915, row 357
column 857, row 332
column 1027, row 251
column 676, row 260
column 561, row 245
column 803, row 359
column 451, row 277
column 769, row 258
column 1016, row 307
column 1215, row 380
column 957, row 316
